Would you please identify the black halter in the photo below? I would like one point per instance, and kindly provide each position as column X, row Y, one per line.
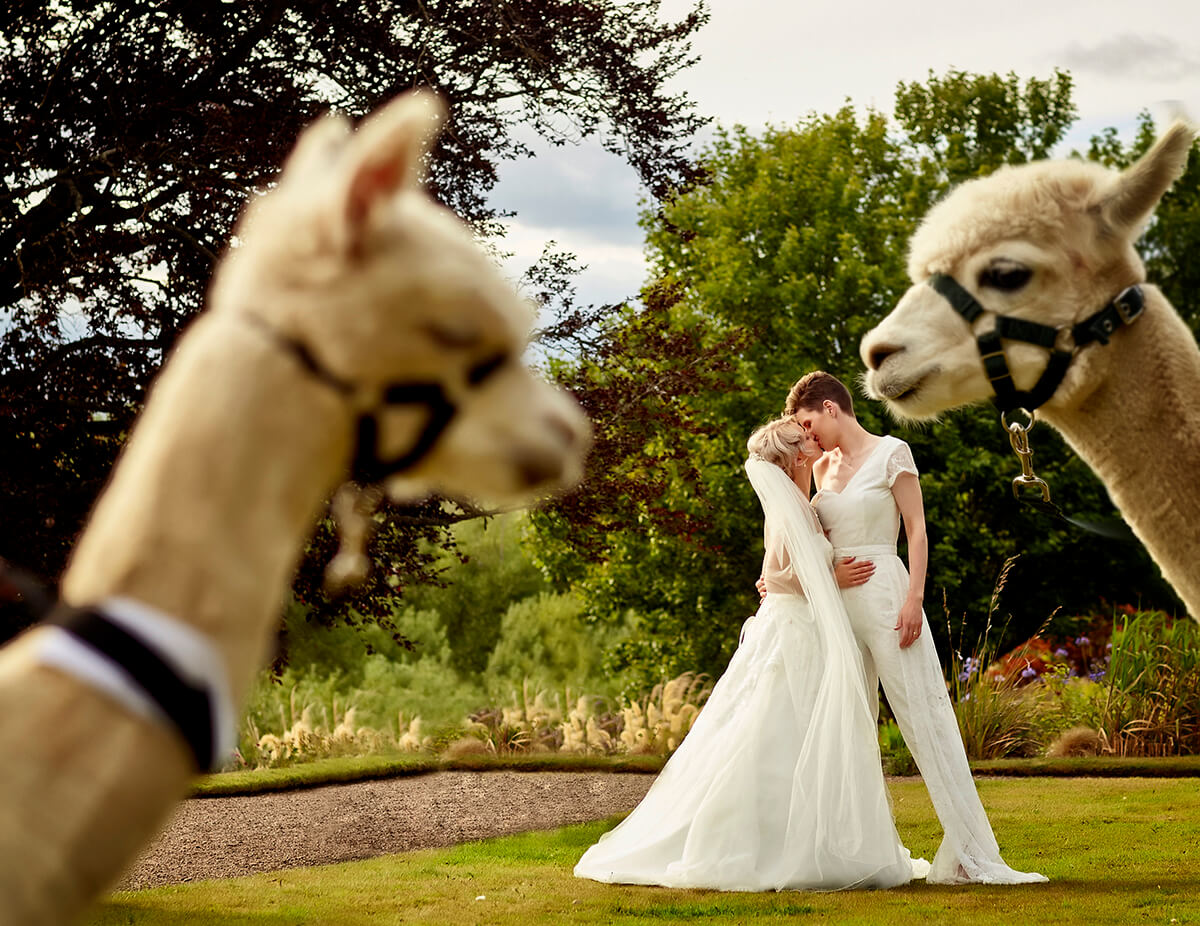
column 367, row 466
column 1123, row 310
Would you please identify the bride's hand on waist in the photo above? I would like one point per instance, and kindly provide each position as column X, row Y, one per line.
column 853, row 571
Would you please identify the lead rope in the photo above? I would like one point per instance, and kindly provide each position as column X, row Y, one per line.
column 1018, row 436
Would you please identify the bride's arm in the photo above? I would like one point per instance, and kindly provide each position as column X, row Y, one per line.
column 778, row 565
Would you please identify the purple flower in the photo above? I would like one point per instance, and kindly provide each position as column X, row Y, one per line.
column 1029, row 672
column 1061, row 652
column 1097, row 675
column 1082, row 641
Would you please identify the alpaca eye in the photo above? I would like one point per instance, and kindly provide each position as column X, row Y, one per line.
column 481, row 371
column 1005, row 277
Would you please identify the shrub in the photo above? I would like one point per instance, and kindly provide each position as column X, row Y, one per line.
column 1139, row 694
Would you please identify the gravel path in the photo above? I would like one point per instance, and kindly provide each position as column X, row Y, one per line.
column 224, row 837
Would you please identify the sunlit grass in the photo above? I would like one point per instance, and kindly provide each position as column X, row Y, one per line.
column 1116, row 850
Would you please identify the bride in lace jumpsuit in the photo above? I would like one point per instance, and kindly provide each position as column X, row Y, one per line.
column 862, row 520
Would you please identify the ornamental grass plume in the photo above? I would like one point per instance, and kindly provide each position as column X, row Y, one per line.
column 582, row 731
column 304, row 740
column 654, row 724
column 1077, row 741
column 409, row 738
column 659, row 723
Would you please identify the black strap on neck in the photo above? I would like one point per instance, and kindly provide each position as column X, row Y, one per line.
column 1098, row 327
column 1126, row 307
column 189, row 707
column 299, row 352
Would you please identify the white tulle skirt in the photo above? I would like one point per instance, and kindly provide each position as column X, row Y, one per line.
column 778, row 786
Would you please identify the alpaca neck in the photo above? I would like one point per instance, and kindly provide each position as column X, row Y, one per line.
column 1139, row 430
column 209, row 506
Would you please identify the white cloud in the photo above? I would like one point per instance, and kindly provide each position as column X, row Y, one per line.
column 614, row 271
column 1148, row 58
column 774, row 61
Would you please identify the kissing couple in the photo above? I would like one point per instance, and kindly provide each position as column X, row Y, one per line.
column 779, row 785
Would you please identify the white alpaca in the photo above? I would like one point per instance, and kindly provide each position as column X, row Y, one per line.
column 354, row 323
column 1053, row 242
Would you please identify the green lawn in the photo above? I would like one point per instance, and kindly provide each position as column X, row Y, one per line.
column 1117, row 851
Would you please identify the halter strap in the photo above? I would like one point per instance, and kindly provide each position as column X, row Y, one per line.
column 1122, row 310
column 367, row 465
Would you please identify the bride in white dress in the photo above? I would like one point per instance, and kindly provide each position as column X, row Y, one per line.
column 778, row 785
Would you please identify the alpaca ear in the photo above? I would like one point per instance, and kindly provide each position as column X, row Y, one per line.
column 385, row 156
column 1128, row 203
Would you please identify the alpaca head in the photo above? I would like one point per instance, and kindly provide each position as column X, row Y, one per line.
column 387, row 296
column 1049, row 242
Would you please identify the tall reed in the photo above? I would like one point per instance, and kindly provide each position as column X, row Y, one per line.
column 995, row 718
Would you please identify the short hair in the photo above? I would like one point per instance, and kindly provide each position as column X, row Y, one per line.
column 777, row 442
column 814, row 390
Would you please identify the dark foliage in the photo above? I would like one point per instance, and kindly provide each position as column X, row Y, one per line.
column 135, row 131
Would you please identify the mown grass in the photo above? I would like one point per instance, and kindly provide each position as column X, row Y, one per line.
column 348, row 769
column 1117, row 851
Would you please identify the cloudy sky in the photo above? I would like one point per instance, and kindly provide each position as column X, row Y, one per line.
column 772, row 61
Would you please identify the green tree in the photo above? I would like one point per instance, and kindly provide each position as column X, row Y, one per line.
column 488, row 571
column 798, row 242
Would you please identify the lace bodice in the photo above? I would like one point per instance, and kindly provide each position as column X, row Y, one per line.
column 864, row 513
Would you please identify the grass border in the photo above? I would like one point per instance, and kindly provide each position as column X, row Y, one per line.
column 349, row 769
column 1094, row 767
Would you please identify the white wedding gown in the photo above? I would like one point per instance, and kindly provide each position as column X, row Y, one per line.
column 778, row 785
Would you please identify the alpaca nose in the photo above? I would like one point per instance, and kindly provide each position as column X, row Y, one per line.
column 537, row 468
column 878, row 353
column 568, row 434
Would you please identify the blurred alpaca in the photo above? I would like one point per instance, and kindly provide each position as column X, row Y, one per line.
column 356, row 329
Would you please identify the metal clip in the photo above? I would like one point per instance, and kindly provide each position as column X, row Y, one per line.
column 1018, row 436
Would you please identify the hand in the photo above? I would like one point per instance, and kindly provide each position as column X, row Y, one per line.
column 909, row 623
column 761, row 585
column 852, row 571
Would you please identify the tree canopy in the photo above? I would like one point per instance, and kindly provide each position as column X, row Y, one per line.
column 797, row 246
column 136, row 131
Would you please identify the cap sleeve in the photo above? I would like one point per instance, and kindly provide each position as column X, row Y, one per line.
column 900, row 460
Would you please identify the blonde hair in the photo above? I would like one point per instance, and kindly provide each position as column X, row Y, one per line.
column 777, row 442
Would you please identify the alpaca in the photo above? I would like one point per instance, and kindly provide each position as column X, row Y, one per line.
column 353, row 326
column 1053, row 242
